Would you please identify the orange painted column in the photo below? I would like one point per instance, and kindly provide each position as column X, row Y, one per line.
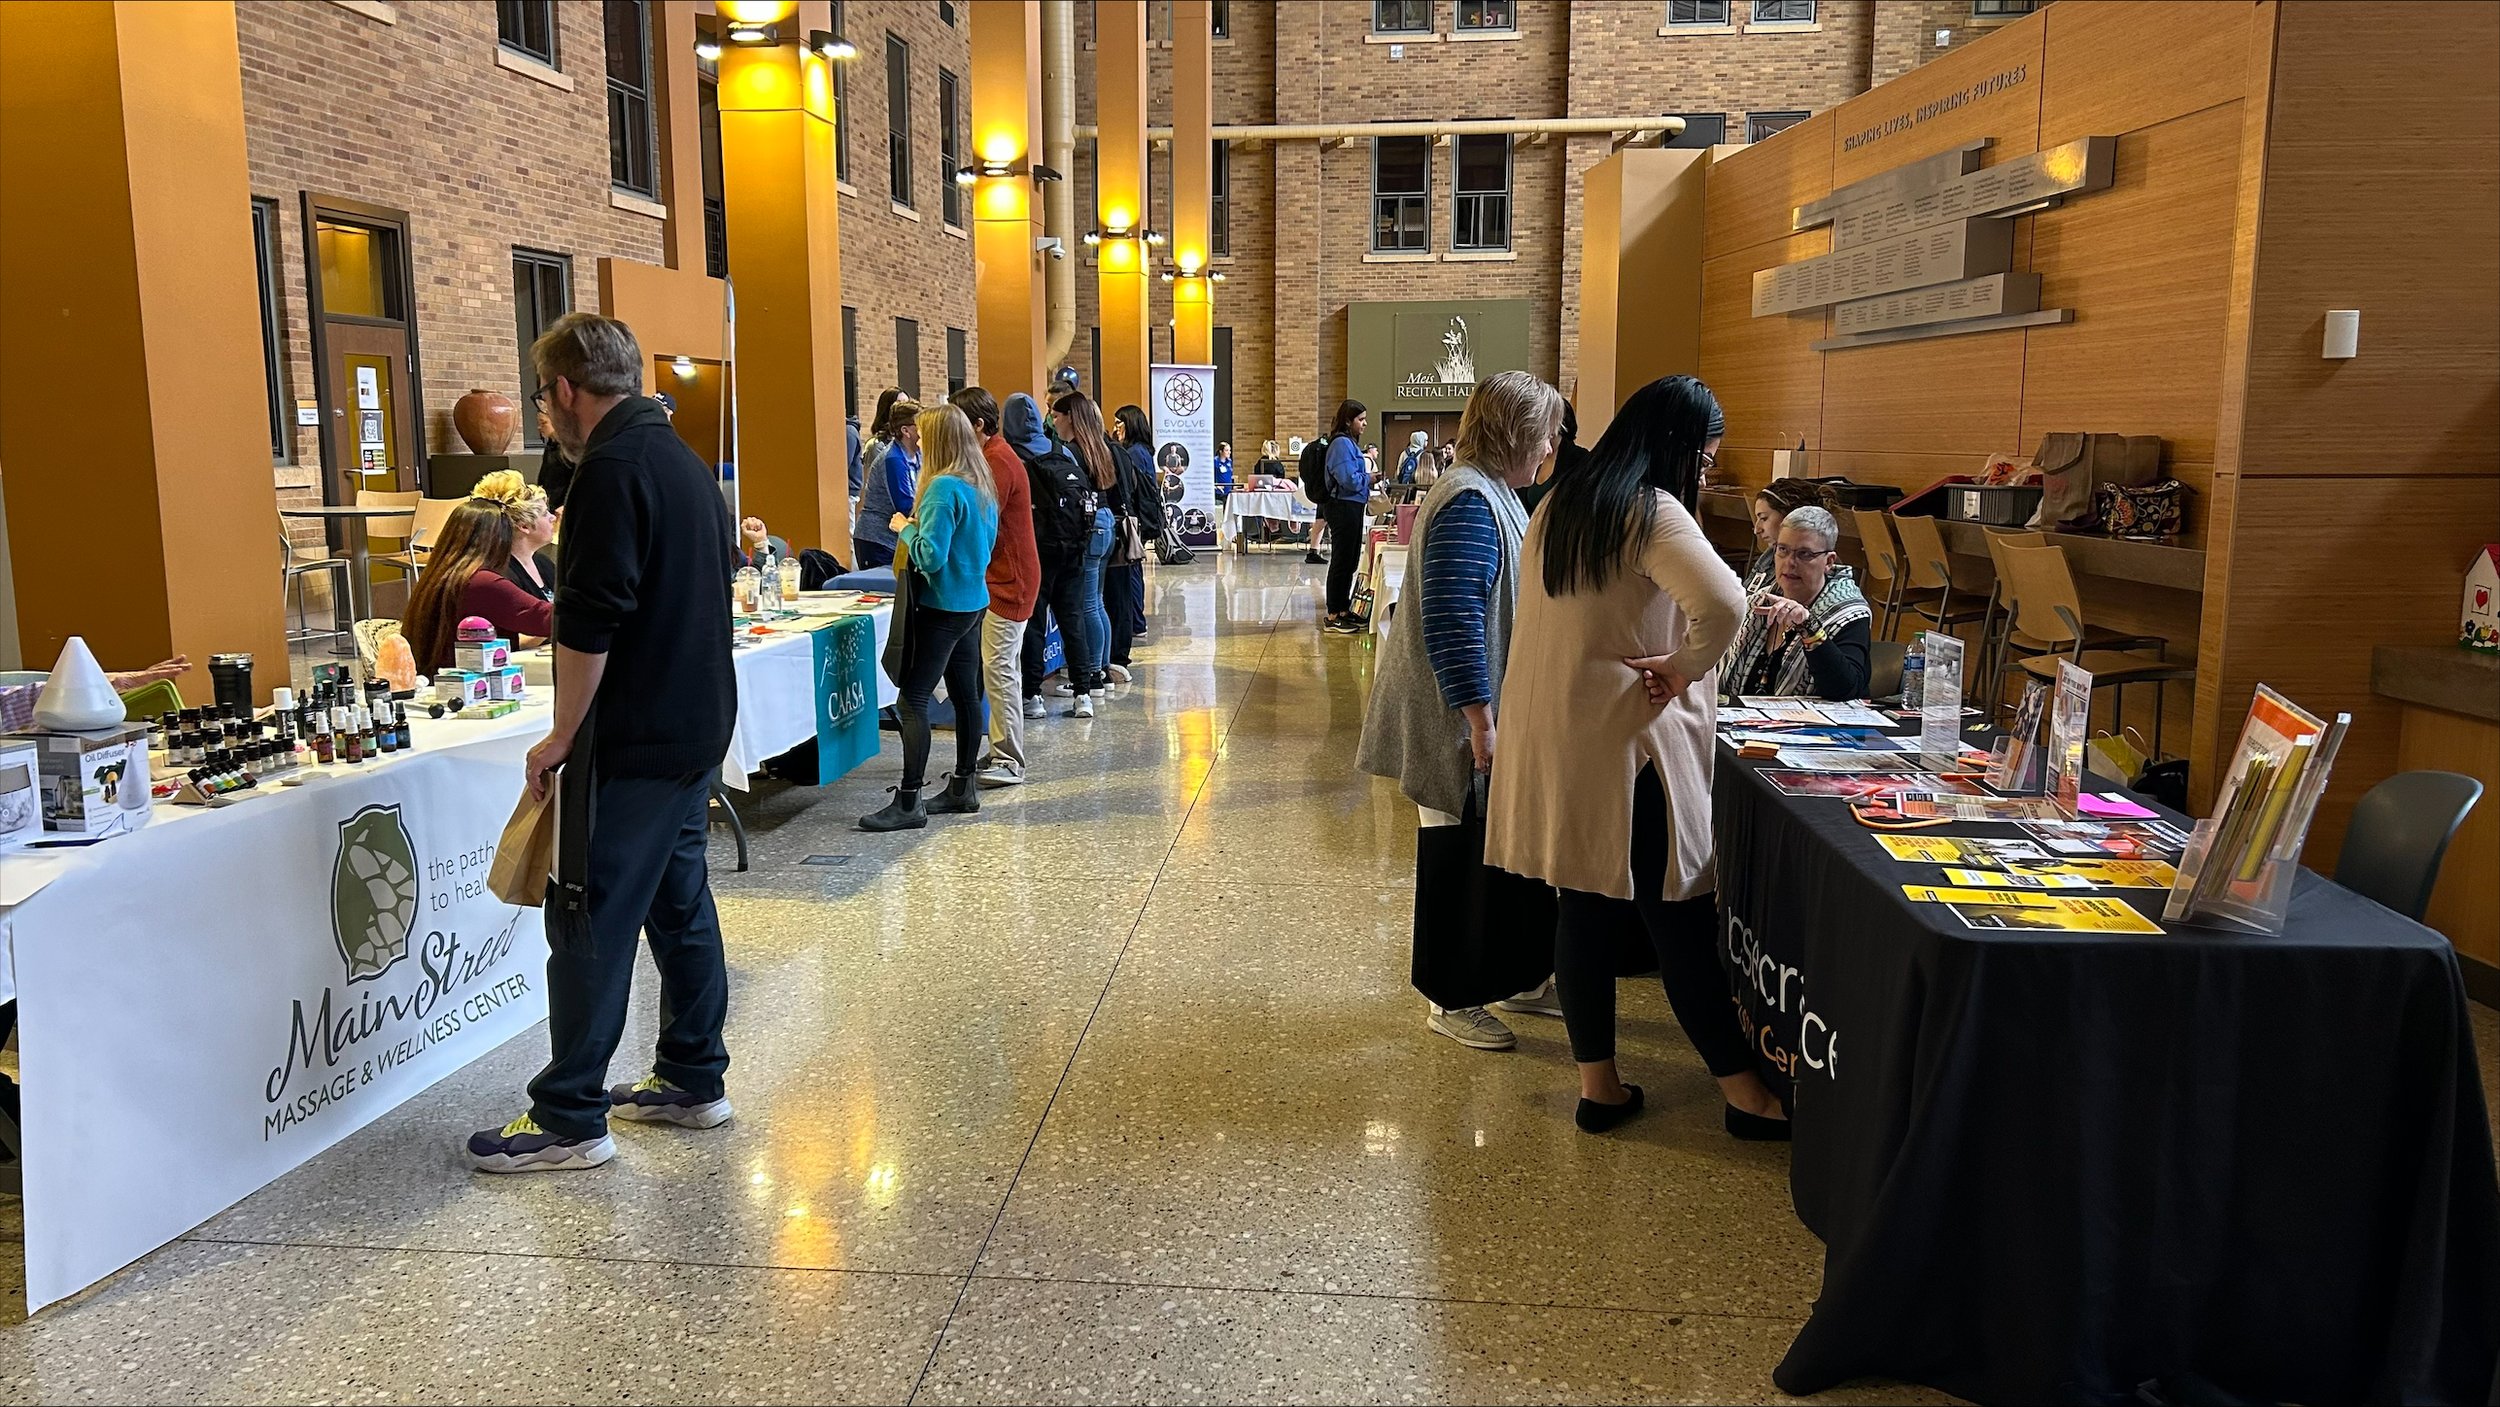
column 785, row 264
column 1006, row 217
column 1121, row 215
column 1193, row 182
column 142, row 510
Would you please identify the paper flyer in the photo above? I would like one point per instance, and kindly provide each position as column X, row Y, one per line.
column 1856, row 784
column 2124, row 840
column 2070, row 718
column 1929, row 894
column 1997, row 879
column 2061, row 915
column 1847, row 760
column 1929, row 802
column 2015, row 769
column 2112, row 874
column 1963, row 850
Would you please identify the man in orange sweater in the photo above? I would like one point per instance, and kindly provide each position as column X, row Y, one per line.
column 1015, row 578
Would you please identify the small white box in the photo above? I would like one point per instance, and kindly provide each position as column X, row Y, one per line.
column 92, row 783
column 481, row 656
column 506, row 683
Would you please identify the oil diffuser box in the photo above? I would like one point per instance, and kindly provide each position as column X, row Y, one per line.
column 92, row 784
column 21, row 792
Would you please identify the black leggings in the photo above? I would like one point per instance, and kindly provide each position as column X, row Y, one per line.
column 1060, row 601
column 1591, row 930
column 946, row 643
column 1345, row 553
column 1123, row 583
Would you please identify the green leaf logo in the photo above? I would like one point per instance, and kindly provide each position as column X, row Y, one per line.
column 373, row 891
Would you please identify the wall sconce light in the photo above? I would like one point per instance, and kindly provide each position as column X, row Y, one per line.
column 707, row 50
column 683, row 366
column 1216, row 277
column 1044, row 173
column 1154, row 237
column 829, row 48
column 965, row 176
column 752, row 33
column 1166, row 276
column 1095, row 236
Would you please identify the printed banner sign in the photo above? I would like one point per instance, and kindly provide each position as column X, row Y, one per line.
column 239, row 990
column 1184, row 448
column 846, row 696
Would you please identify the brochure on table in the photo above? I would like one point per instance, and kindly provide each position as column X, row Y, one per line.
column 2241, row 861
column 1940, row 702
column 2070, row 719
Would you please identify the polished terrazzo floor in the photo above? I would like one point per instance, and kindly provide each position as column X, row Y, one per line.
column 1115, row 1092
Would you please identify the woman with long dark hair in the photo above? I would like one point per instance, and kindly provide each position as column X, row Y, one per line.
column 1124, row 581
column 1349, row 485
column 1603, row 790
column 1078, row 422
column 465, row 575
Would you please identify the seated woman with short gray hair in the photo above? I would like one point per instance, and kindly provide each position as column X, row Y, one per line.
column 1806, row 631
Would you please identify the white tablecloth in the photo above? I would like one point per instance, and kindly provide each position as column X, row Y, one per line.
column 777, row 696
column 1279, row 505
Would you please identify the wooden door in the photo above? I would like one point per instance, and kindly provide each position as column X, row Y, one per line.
column 371, row 423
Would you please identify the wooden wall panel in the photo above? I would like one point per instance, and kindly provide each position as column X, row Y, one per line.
column 2117, row 66
column 2009, row 115
column 1753, row 200
column 1879, row 398
column 2327, row 569
column 2398, row 217
column 1768, row 378
column 2146, row 265
column 2466, row 905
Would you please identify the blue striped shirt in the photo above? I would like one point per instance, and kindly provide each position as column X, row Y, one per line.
column 1462, row 557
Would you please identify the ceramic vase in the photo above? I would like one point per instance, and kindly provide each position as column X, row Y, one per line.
column 78, row 698
column 486, row 421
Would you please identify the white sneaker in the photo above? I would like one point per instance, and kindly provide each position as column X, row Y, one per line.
column 1084, row 707
column 1001, row 774
column 1035, row 708
column 1473, row 1027
column 1540, row 1000
column 1119, row 673
column 1060, row 689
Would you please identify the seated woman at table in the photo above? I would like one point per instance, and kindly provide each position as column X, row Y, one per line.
column 1270, row 466
column 464, row 576
column 1772, row 503
column 1601, row 791
column 1807, row 631
column 531, row 567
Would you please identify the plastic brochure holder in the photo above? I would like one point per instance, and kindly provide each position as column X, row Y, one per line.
column 2241, row 861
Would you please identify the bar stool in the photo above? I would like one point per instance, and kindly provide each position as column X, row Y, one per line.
column 1883, row 566
column 295, row 564
column 2049, row 615
column 1929, row 569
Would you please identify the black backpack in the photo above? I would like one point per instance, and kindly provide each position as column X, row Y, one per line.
column 1064, row 498
column 1313, row 470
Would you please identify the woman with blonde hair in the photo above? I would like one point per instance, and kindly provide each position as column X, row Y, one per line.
column 527, row 507
column 469, row 572
column 1431, row 721
column 945, row 544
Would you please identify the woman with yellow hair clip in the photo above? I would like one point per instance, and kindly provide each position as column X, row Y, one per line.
column 488, row 561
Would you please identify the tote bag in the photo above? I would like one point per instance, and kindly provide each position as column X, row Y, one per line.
column 896, row 635
column 1481, row 934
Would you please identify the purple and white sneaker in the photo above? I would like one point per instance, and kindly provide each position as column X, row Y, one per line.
column 522, row 1146
column 653, row 1100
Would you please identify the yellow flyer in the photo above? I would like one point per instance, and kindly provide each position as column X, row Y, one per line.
column 1922, row 849
column 2044, row 914
column 1992, row 879
column 2111, row 874
column 1928, row 894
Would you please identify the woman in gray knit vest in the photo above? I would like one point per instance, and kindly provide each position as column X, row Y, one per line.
column 1433, row 705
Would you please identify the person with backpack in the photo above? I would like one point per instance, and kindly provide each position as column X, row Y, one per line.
column 1077, row 422
column 1348, row 481
column 1064, row 503
column 1311, row 467
column 1141, row 503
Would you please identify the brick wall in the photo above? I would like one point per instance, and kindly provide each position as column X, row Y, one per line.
column 416, row 116
column 898, row 265
column 1906, row 32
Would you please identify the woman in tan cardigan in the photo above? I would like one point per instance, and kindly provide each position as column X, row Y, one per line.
column 1602, row 792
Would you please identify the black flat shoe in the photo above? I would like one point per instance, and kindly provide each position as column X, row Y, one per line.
column 903, row 813
column 962, row 797
column 1753, row 1128
column 1593, row 1117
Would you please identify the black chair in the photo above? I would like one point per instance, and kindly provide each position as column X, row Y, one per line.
column 2399, row 834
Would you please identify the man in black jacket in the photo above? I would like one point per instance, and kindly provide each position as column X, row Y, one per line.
column 645, row 701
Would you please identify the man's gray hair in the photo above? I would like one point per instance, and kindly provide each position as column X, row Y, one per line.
column 598, row 355
column 1818, row 521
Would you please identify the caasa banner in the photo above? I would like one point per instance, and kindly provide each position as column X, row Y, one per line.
column 221, row 999
column 1184, row 447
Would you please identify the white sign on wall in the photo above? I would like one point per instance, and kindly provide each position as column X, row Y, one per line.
column 1184, row 448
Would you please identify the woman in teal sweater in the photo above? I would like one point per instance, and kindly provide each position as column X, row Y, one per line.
column 945, row 544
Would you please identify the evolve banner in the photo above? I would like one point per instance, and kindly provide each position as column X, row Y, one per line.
column 1184, row 421
column 211, row 1001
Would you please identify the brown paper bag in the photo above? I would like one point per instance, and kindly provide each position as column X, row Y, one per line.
column 527, row 851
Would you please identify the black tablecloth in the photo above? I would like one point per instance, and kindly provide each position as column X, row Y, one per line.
column 2052, row 1166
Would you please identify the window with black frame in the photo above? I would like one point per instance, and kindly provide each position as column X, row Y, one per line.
column 850, row 364
column 1701, row 129
column 632, row 165
column 898, row 121
column 1401, row 195
column 2002, row 9
column 1699, row 14
column 1480, row 194
column 527, row 28
column 951, row 156
column 707, row 134
column 272, row 360
column 1220, row 18
column 841, row 108
column 1220, row 200
column 1487, row 16
column 1761, row 125
column 542, row 291
column 1401, row 16
column 958, row 360
column 907, row 356
column 1783, row 11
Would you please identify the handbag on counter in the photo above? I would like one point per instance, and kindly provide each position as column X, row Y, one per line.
column 2154, row 510
column 2074, row 466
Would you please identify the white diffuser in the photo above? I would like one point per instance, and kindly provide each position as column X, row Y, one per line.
column 78, row 698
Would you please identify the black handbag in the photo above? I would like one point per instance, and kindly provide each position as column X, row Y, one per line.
column 1481, row 934
column 897, row 635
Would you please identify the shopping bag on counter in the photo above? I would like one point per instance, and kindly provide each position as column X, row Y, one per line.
column 1481, row 934
column 527, row 851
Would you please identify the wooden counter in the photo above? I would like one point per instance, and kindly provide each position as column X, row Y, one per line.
column 2451, row 698
column 2089, row 554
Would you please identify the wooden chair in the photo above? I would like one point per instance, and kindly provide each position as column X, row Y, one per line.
column 2048, row 614
column 426, row 524
column 1929, row 569
column 398, row 528
column 2010, row 641
column 1883, row 567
